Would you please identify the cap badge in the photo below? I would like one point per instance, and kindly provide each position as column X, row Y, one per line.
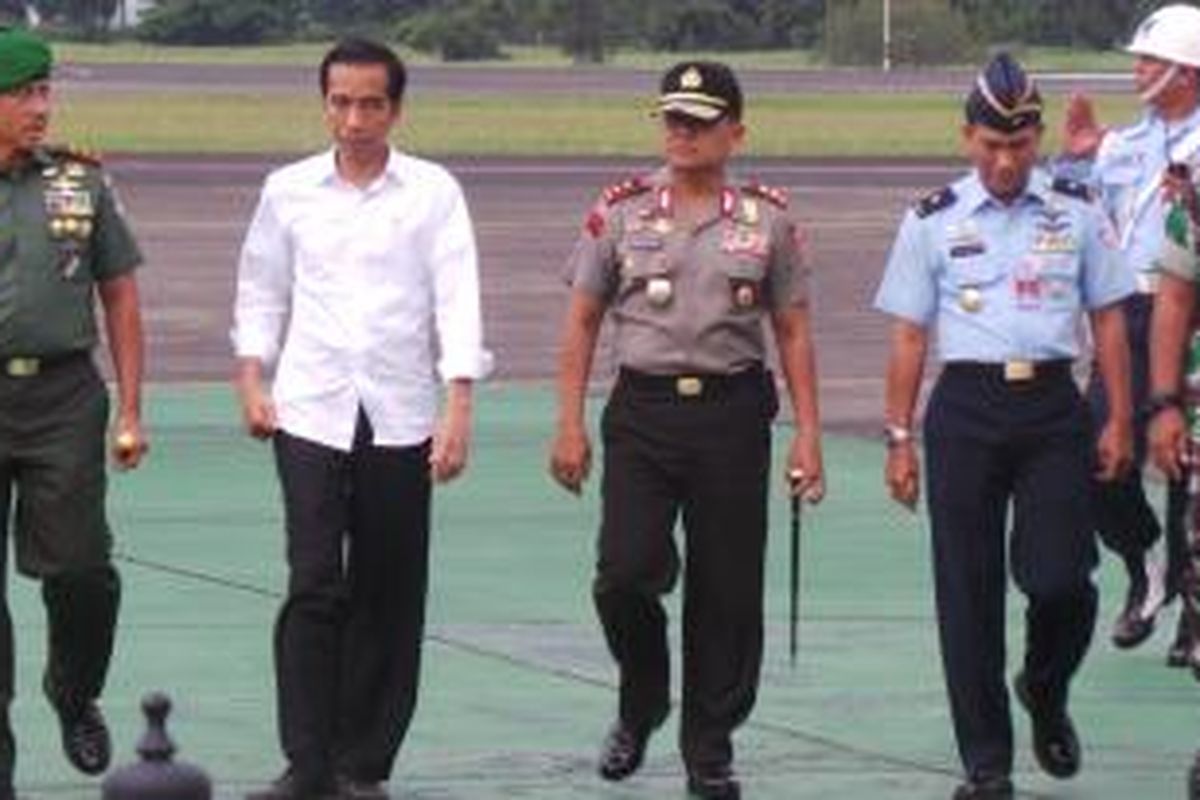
column 691, row 79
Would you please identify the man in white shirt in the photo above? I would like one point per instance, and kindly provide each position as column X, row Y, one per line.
column 358, row 282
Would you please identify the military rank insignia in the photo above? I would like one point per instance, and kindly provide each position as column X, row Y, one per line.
column 70, row 212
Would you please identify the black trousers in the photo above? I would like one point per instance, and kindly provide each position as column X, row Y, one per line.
column 52, row 474
column 990, row 444
column 348, row 637
column 709, row 458
column 1125, row 519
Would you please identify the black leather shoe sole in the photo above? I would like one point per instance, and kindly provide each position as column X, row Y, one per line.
column 1055, row 743
column 1130, row 630
column 718, row 786
column 994, row 789
column 622, row 753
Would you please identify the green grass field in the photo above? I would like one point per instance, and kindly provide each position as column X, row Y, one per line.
column 456, row 124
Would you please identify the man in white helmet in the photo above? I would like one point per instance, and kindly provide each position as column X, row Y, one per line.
column 1126, row 166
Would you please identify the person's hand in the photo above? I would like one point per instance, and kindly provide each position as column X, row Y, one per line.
column 571, row 458
column 902, row 474
column 258, row 412
column 1167, row 438
column 1114, row 451
column 1082, row 134
column 805, row 469
column 128, row 445
column 451, row 442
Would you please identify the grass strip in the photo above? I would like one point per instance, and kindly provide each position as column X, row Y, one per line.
column 858, row 125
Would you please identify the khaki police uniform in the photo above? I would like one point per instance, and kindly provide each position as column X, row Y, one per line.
column 686, row 432
column 61, row 234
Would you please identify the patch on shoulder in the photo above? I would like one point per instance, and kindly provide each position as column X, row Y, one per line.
column 1070, row 188
column 624, row 190
column 934, row 202
column 70, row 152
column 772, row 194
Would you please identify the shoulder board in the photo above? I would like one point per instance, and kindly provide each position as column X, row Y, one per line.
column 772, row 194
column 66, row 152
column 934, row 202
column 1071, row 188
column 624, row 190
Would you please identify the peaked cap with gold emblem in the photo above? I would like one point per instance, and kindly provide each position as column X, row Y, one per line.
column 1004, row 97
column 703, row 90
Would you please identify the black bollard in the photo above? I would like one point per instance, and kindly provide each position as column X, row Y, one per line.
column 156, row 776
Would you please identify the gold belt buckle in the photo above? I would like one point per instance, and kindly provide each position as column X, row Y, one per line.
column 689, row 386
column 1016, row 371
column 22, row 367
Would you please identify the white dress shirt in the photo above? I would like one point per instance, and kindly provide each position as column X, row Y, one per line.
column 356, row 293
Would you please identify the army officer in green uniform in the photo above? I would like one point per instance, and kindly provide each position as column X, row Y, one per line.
column 691, row 265
column 62, row 243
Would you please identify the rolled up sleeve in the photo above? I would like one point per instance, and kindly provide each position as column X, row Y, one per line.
column 264, row 283
column 459, row 319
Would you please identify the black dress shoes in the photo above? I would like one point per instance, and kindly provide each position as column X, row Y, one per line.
column 1055, row 743
column 1145, row 597
column 986, row 789
column 1180, row 653
column 85, row 738
column 622, row 752
column 289, row 786
column 354, row 789
column 713, row 783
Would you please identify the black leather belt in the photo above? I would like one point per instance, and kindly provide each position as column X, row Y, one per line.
column 1016, row 371
column 31, row 366
column 691, row 385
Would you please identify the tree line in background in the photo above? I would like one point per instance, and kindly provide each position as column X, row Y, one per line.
column 846, row 31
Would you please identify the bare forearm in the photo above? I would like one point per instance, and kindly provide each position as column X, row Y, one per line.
column 580, row 332
column 905, row 367
column 1173, row 304
column 1112, row 356
column 123, row 323
column 798, row 361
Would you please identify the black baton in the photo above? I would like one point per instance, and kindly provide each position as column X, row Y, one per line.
column 794, row 615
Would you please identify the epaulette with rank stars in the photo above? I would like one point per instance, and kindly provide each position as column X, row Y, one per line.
column 1070, row 188
column 772, row 194
column 68, row 152
column 624, row 190
column 934, row 202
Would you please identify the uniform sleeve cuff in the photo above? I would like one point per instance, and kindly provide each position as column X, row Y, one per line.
column 470, row 366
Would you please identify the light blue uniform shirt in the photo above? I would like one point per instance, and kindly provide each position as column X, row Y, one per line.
column 1127, row 173
column 1003, row 282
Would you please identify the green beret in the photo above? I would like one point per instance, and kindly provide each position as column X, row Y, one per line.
column 24, row 57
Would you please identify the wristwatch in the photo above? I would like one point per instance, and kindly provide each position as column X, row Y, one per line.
column 1161, row 401
column 897, row 435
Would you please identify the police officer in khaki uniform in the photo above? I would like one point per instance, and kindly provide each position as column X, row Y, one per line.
column 690, row 263
column 62, row 243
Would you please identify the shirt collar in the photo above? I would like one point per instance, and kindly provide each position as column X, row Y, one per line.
column 393, row 172
column 974, row 196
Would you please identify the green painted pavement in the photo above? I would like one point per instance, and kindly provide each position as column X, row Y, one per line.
column 517, row 688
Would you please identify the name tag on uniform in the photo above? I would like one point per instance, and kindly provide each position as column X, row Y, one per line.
column 967, row 249
column 644, row 241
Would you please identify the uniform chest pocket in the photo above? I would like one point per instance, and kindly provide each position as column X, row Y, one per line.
column 647, row 272
column 976, row 271
column 745, row 280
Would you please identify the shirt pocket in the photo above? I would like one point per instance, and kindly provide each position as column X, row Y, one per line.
column 642, row 260
column 1059, row 277
column 745, row 281
column 975, row 282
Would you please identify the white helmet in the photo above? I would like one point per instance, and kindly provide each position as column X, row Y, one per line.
column 1172, row 33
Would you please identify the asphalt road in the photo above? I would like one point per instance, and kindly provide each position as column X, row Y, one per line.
column 574, row 80
column 191, row 214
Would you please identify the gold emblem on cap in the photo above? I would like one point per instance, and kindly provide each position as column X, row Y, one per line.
column 970, row 299
column 691, row 79
column 744, row 296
